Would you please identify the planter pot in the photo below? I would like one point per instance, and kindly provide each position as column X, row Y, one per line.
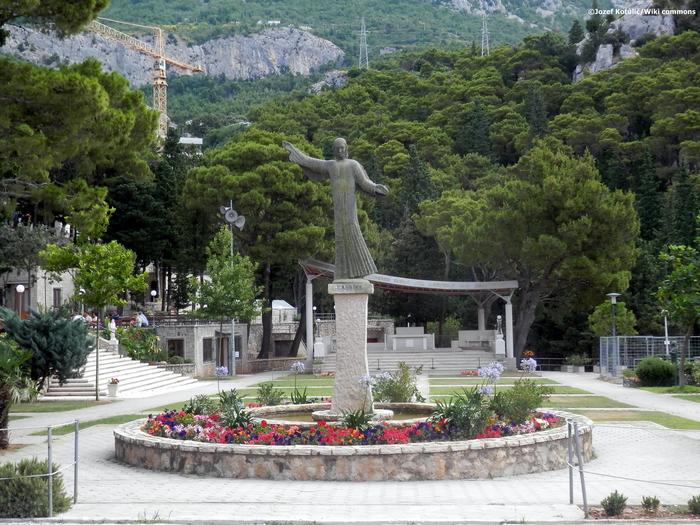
column 569, row 369
column 596, row 369
column 112, row 389
column 579, row 369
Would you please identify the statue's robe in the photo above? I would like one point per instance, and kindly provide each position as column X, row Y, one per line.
column 352, row 258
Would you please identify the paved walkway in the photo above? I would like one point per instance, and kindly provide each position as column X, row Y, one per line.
column 118, row 492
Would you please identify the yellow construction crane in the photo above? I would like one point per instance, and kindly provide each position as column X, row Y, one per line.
column 157, row 51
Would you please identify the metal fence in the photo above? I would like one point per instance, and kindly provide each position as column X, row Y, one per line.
column 50, row 473
column 627, row 351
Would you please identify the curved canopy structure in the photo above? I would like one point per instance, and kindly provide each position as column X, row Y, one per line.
column 408, row 285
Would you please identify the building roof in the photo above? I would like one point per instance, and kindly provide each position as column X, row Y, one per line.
column 279, row 304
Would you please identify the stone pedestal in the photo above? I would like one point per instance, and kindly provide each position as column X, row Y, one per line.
column 350, row 296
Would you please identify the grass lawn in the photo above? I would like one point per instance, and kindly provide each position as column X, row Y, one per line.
column 687, row 389
column 302, row 381
column 15, row 418
column 479, row 380
column 54, row 406
column 68, row 429
column 661, row 418
column 689, row 397
column 560, row 389
column 583, row 402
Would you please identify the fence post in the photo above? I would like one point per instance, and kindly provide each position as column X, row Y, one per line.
column 580, row 470
column 50, row 474
column 571, row 462
column 75, row 463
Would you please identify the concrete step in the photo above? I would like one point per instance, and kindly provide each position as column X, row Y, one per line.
column 439, row 362
column 135, row 378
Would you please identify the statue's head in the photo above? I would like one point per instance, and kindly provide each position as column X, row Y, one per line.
column 340, row 149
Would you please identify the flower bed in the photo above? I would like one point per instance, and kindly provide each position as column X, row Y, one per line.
column 487, row 457
column 210, row 429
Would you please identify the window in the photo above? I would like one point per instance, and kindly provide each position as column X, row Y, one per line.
column 208, row 349
column 176, row 347
column 57, row 297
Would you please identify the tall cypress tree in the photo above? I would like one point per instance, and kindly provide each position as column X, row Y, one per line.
column 648, row 199
column 416, row 185
column 535, row 111
column 684, row 202
column 576, row 33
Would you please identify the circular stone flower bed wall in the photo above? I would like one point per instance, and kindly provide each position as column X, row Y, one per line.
column 473, row 459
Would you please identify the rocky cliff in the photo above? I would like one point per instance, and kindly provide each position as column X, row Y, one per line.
column 269, row 52
column 634, row 25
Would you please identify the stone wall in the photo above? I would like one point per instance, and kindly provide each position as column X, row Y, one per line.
column 474, row 459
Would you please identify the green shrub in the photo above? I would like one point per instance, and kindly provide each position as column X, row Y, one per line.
column 22, row 497
column 176, row 360
column 299, row 397
column 694, row 505
column 653, row 371
column 650, row 503
column 269, row 395
column 358, row 419
column 141, row 344
column 614, row 504
column 516, row 404
column 230, row 398
column 468, row 412
column 233, row 412
column 692, row 373
column 398, row 386
column 629, row 373
column 200, row 405
column 578, row 360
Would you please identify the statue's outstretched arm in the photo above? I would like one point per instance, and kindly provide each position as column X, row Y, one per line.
column 365, row 184
column 313, row 168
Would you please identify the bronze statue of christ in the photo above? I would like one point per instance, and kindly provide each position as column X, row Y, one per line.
column 352, row 258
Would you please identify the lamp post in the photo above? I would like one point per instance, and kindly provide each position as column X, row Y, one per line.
column 153, row 295
column 667, row 342
column 233, row 219
column 20, row 290
column 613, row 301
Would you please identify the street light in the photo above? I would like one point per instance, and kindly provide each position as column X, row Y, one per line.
column 667, row 343
column 613, row 301
column 153, row 295
column 233, row 219
column 20, row 290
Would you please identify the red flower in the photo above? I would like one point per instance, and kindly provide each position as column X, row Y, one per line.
column 263, row 423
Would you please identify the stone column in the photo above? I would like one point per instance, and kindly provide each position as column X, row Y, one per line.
column 509, row 329
column 309, row 324
column 481, row 317
column 350, row 296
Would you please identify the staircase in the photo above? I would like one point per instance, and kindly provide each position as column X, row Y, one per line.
column 136, row 379
column 434, row 362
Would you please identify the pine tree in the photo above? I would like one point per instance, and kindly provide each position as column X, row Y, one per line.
column 474, row 135
column 58, row 345
column 576, row 33
column 595, row 21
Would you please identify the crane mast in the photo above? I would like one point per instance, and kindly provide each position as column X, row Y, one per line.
column 157, row 51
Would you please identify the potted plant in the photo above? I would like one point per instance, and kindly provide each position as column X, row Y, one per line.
column 113, row 386
column 577, row 363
